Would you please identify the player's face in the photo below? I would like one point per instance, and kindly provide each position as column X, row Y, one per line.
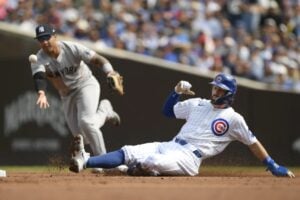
column 217, row 92
column 48, row 44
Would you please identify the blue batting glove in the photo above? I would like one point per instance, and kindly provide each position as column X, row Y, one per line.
column 276, row 169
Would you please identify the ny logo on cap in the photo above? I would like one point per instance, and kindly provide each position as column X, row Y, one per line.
column 41, row 29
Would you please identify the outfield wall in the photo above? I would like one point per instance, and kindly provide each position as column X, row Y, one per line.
column 31, row 136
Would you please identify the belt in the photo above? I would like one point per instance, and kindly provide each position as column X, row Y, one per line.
column 195, row 151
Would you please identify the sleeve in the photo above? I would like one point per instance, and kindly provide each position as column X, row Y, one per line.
column 40, row 82
column 183, row 109
column 37, row 67
column 84, row 53
column 241, row 131
column 168, row 109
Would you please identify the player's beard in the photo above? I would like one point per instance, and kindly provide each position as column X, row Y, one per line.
column 214, row 99
column 217, row 100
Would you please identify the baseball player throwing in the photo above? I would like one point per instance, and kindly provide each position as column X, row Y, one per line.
column 64, row 64
column 210, row 126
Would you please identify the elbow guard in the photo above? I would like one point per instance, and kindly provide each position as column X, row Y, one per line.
column 40, row 82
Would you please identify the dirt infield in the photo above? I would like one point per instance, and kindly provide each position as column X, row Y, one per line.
column 53, row 185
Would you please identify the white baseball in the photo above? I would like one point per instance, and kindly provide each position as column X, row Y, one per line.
column 32, row 58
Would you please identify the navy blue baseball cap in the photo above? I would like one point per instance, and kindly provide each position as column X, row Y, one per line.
column 44, row 30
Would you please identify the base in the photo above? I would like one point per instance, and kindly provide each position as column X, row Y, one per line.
column 2, row 173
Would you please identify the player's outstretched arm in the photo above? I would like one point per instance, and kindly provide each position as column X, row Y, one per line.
column 114, row 79
column 260, row 152
column 102, row 62
column 40, row 86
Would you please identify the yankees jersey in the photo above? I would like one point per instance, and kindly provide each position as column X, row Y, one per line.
column 69, row 70
column 211, row 129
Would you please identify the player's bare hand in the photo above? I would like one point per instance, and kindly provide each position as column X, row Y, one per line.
column 290, row 174
column 184, row 87
column 42, row 100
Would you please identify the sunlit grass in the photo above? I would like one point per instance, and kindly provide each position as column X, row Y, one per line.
column 34, row 168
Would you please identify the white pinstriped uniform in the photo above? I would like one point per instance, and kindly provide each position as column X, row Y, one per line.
column 207, row 129
column 78, row 88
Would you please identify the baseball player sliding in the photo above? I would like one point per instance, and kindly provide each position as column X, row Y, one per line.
column 210, row 126
column 64, row 64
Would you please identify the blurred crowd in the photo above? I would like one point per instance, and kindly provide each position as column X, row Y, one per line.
column 255, row 39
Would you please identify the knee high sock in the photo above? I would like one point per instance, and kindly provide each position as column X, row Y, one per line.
column 110, row 160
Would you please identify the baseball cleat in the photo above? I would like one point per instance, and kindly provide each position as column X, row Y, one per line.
column 79, row 156
column 78, row 162
column 122, row 168
column 77, row 144
column 112, row 116
column 97, row 171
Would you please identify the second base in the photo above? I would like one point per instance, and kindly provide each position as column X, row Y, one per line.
column 2, row 173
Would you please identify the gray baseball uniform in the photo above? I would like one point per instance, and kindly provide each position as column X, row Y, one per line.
column 79, row 90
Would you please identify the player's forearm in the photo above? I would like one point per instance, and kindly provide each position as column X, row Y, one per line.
column 40, row 82
column 259, row 151
column 102, row 62
column 168, row 109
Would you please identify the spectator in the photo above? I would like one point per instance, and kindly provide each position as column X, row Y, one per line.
column 189, row 32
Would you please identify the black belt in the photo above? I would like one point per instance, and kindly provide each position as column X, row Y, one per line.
column 183, row 143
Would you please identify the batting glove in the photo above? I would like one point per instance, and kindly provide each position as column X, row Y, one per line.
column 276, row 169
column 184, row 87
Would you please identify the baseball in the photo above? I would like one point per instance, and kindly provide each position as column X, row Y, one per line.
column 32, row 58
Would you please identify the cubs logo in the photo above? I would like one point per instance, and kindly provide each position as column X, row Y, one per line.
column 218, row 79
column 219, row 127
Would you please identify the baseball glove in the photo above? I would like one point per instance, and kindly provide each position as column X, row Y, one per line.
column 115, row 82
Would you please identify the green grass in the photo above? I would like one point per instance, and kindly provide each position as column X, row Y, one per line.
column 33, row 168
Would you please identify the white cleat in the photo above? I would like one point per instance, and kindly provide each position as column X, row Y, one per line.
column 97, row 171
column 78, row 162
column 122, row 168
column 79, row 156
column 112, row 116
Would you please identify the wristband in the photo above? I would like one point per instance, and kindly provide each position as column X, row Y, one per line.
column 107, row 67
column 268, row 161
column 175, row 94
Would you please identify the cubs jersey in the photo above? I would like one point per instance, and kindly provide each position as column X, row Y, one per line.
column 69, row 70
column 211, row 129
